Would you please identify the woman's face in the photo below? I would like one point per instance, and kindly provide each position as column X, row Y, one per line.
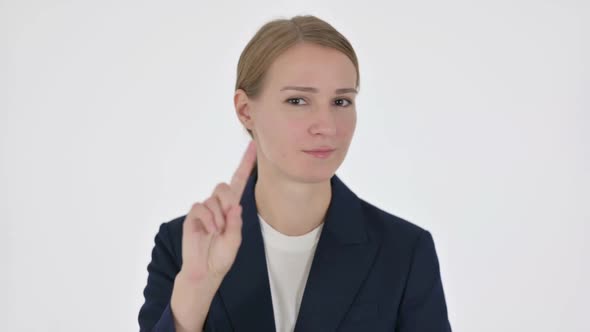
column 307, row 103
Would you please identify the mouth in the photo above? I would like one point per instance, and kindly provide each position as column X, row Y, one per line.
column 320, row 153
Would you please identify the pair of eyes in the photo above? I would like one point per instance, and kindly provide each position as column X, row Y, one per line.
column 342, row 102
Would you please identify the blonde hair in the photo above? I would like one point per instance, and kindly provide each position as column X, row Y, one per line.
column 278, row 35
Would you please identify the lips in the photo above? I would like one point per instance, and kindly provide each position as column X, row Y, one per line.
column 320, row 153
column 319, row 150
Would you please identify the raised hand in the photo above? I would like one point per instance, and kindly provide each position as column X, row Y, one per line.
column 212, row 229
column 211, row 237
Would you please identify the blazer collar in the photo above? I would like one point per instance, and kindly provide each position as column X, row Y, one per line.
column 341, row 261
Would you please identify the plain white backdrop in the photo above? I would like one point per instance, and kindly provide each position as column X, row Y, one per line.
column 473, row 122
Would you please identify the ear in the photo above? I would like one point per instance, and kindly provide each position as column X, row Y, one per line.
column 243, row 106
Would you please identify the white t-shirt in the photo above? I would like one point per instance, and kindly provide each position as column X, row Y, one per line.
column 289, row 260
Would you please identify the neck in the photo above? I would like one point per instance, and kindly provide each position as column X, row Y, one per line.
column 290, row 207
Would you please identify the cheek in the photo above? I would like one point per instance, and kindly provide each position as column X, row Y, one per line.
column 282, row 136
column 346, row 125
column 281, row 129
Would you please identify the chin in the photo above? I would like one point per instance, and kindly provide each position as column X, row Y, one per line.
column 314, row 174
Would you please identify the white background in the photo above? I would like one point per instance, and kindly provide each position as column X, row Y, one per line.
column 473, row 122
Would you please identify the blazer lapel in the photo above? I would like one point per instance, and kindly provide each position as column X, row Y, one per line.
column 343, row 257
column 342, row 260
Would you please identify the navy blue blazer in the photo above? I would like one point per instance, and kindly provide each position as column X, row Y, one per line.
column 371, row 271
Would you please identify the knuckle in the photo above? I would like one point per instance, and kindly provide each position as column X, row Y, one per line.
column 212, row 203
column 205, row 215
column 200, row 210
column 222, row 187
column 195, row 208
column 226, row 199
column 209, row 201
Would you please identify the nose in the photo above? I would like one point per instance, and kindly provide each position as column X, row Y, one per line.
column 323, row 121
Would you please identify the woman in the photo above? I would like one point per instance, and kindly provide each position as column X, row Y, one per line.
column 287, row 245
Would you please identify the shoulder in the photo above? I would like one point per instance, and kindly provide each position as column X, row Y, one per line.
column 391, row 229
column 406, row 249
column 174, row 226
column 169, row 239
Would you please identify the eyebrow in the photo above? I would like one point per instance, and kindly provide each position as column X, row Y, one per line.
column 315, row 90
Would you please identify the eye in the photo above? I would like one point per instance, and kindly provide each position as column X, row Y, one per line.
column 295, row 101
column 340, row 102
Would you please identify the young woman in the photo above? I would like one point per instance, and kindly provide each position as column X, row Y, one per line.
column 286, row 245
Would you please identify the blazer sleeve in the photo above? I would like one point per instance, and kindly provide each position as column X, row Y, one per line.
column 155, row 315
column 423, row 307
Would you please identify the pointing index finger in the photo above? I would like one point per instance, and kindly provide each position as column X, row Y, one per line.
column 242, row 173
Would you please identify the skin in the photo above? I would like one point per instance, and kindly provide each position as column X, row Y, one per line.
column 293, row 188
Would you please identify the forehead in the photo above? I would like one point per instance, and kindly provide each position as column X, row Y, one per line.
column 312, row 65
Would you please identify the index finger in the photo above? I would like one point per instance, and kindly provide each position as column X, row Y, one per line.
column 242, row 173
